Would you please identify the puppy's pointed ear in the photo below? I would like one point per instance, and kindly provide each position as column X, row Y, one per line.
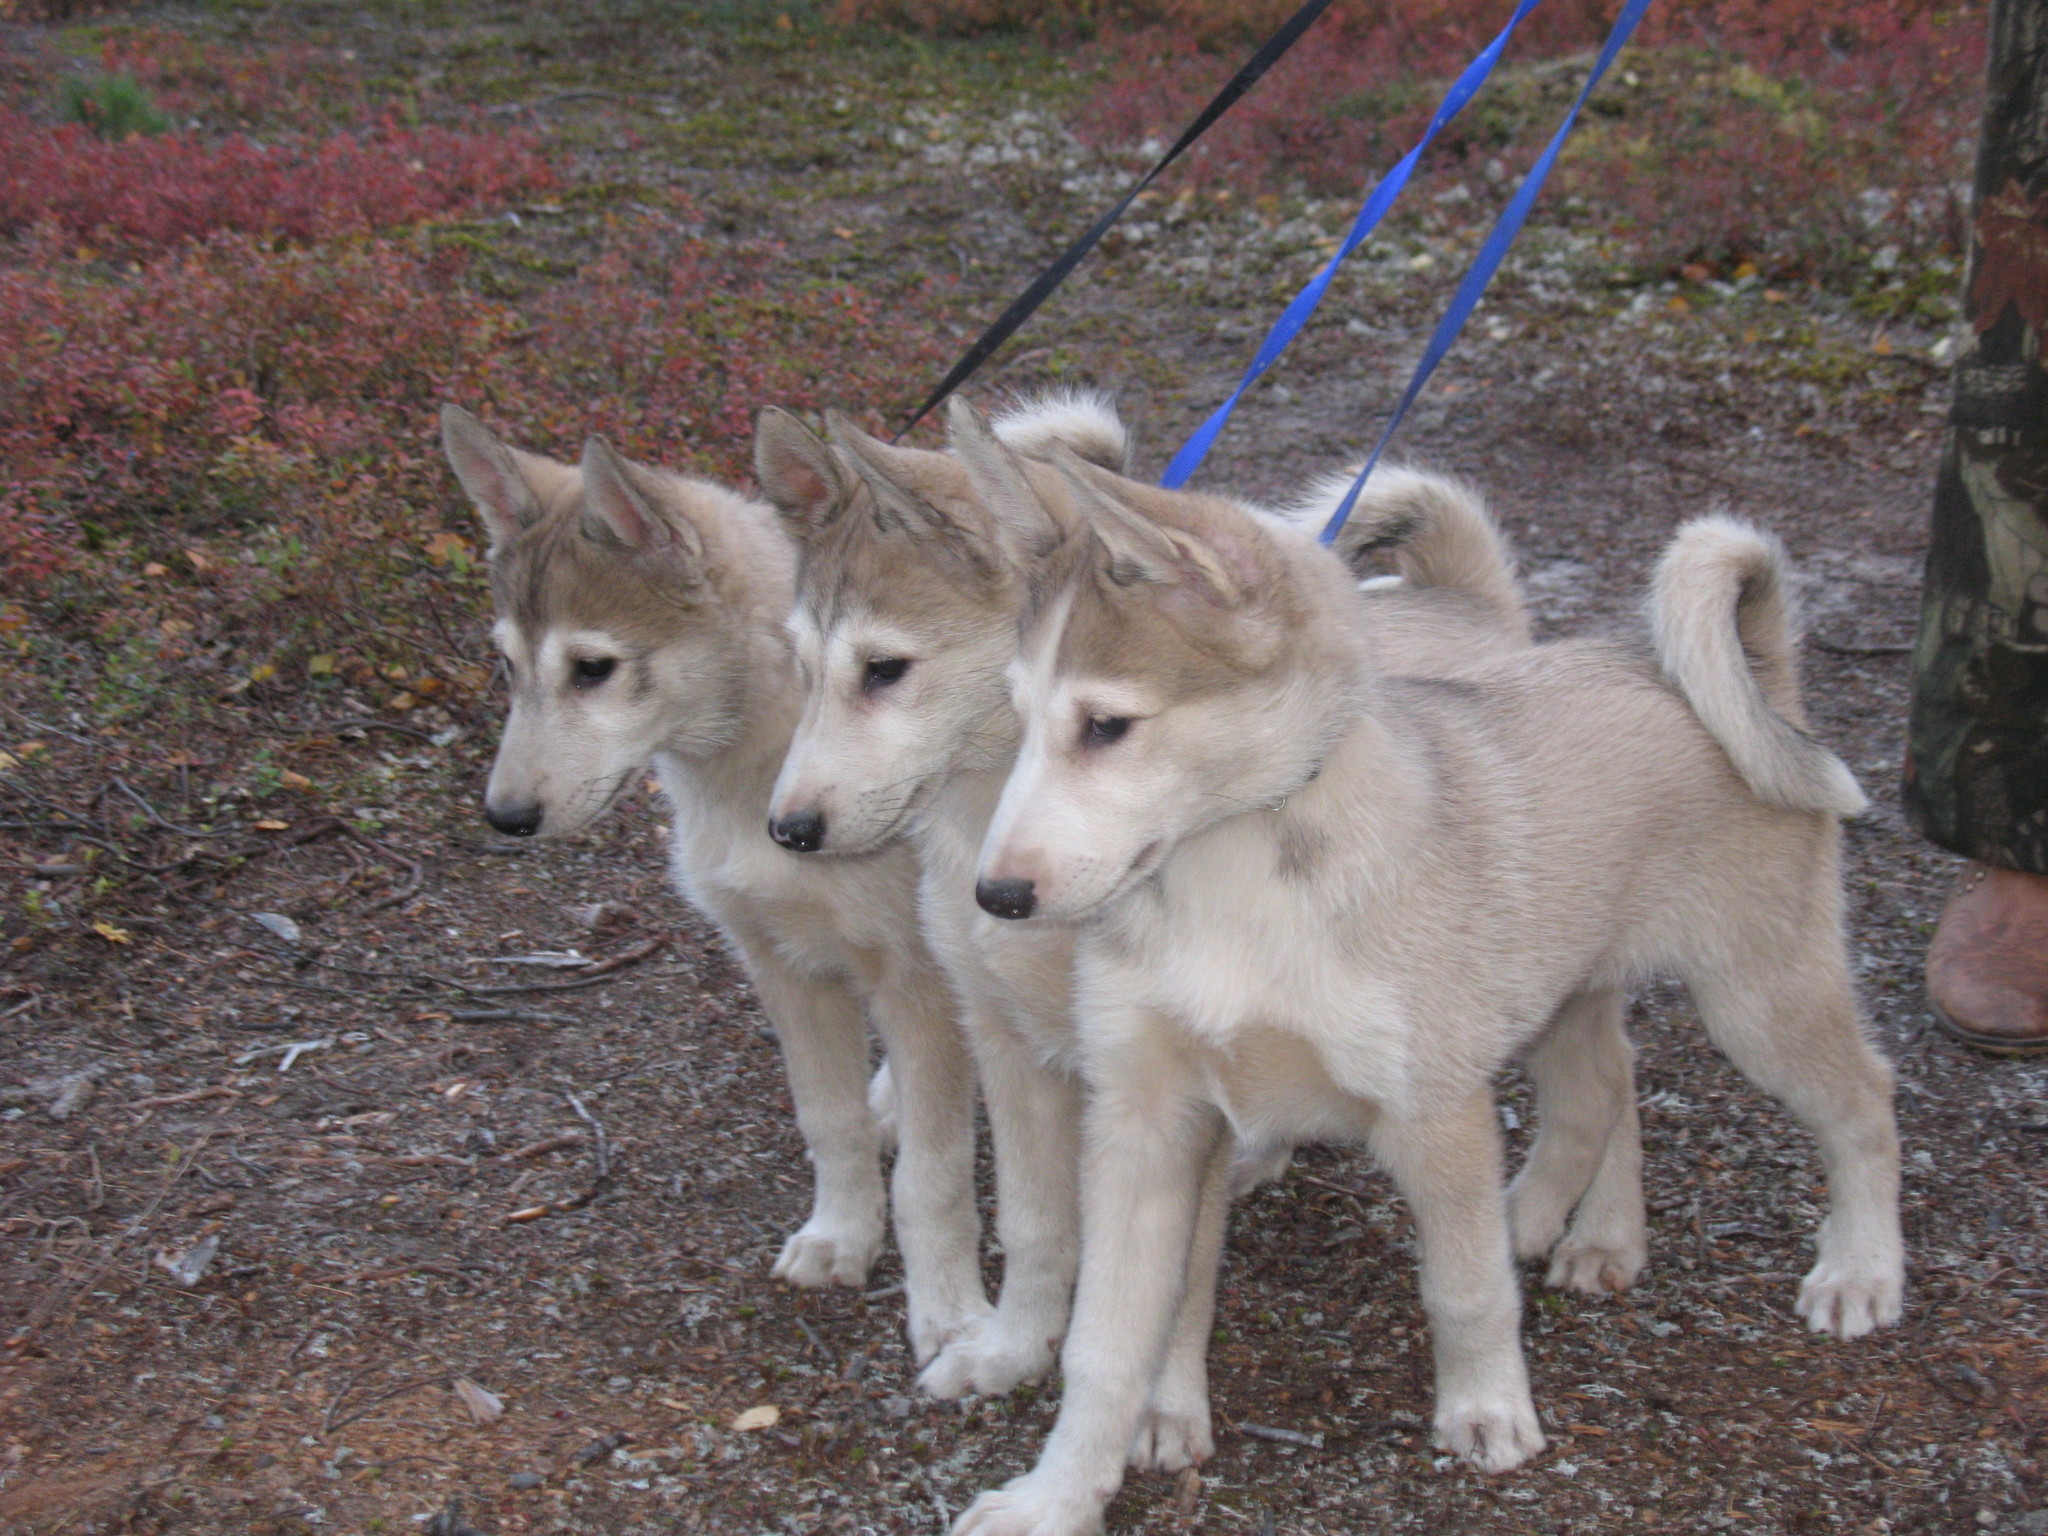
column 490, row 472
column 1027, row 531
column 890, row 475
column 1142, row 549
column 623, row 509
column 798, row 472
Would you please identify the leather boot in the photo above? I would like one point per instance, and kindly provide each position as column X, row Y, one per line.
column 1987, row 969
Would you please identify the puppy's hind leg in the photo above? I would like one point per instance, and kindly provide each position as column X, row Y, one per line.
column 1608, row 1241
column 1588, row 1151
column 1786, row 1015
column 1446, row 1159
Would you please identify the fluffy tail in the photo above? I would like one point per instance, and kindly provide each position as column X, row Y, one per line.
column 1721, row 617
column 1080, row 419
column 1437, row 528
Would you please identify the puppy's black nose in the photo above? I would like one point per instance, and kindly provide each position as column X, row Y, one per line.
column 514, row 820
column 1006, row 898
column 804, row 832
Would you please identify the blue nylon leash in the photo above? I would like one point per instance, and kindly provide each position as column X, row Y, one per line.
column 1473, row 288
column 1304, row 304
column 1269, row 53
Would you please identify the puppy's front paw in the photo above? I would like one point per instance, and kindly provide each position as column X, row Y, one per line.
column 1593, row 1267
column 933, row 1331
column 991, row 1356
column 1172, row 1438
column 1849, row 1300
column 823, row 1252
column 1031, row 1507
column 1493, row 1434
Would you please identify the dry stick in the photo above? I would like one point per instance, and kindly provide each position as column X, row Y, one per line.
column 324, row 726
column 329, row 1423
column 155, row 817
column 1837, row 648
column 597, row 973
column 504, row 1015
column 600, row 1155
column 49, row 1307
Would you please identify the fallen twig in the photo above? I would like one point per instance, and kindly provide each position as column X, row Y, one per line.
column 1281, row 1436
column 218, row 1091
column 600, row 1178
column 590, row 978
column 540, row 1148
column 393, row 726
column 83, row 1288
column 329, row 1423
column 1838, row 648
column 506, row 1015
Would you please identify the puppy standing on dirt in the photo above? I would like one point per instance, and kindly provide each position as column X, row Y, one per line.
column 917, row 567
column 1316, row 901
column 640, row 616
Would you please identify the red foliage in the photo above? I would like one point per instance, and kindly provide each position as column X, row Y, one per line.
column 232, row 382
column 144, row 194
column 1762, row 126
column 191, row 78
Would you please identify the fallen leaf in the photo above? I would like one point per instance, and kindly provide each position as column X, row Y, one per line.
column 319, row 666
column 765, row 1416
column 277, row 923
column 273, row 826
column 484, row 1406
column 292, row 780
column 189, row 1268
column 111, row 934
column 444, row 548
column 401, row 702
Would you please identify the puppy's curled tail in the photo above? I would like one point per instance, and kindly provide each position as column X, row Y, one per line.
column 1081, row 419
column 1721, row 618
column 1438, row 529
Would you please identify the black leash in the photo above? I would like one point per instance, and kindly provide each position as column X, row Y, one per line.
column 1042, row 286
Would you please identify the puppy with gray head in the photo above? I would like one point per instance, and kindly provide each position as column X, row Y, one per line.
column 916, row 569
column 1312, row 898
column 640, row 617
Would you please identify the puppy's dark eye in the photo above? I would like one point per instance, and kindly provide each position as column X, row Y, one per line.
column 1101, row 730
column 884, row 670
column 589, row 671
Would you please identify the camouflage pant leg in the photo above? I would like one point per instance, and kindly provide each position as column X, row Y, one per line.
column 1977, row 746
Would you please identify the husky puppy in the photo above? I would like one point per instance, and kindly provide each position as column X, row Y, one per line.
column 1312, row 898
column 640, row 617
column 916, row 569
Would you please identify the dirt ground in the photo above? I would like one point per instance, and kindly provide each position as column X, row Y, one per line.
column 431, row 1197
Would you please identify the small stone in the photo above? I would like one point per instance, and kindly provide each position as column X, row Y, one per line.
column 525, row 1480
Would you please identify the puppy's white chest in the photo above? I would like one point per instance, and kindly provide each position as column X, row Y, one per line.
column 1233, row 962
